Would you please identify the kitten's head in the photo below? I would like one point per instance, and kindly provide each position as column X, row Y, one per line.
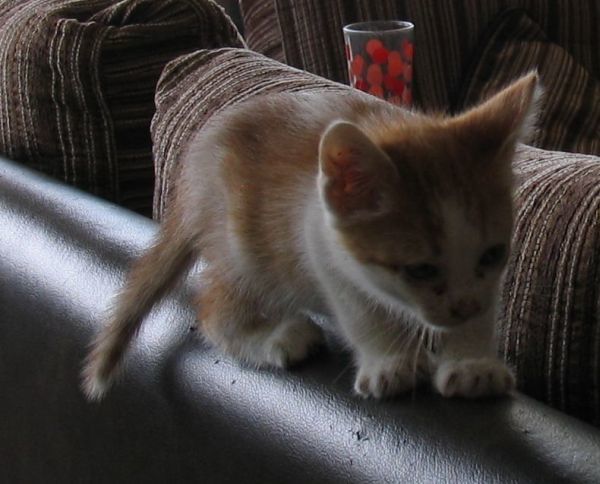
column 424, row 206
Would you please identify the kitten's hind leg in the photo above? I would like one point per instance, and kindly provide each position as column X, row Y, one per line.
column 233, row 322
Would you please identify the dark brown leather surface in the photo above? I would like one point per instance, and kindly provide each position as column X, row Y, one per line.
column 185, row 413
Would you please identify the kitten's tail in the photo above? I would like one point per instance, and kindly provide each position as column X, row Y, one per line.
column 149, row 280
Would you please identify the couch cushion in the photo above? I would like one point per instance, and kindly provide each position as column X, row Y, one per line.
column 194, row 87
column 262, row 30
column 446, row 33
column 550, row 320
column 513, row 45
column 78, row 82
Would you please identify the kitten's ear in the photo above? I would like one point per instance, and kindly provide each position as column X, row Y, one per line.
column 354, row 172
column 505, row 118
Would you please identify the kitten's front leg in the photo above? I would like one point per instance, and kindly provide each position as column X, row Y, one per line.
column 379, row 376
column 467, row 362
column 388, row 352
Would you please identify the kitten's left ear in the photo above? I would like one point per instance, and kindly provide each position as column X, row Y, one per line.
column 355, row 175
column 505, row 118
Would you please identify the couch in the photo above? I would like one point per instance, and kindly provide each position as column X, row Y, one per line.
column 184, row 412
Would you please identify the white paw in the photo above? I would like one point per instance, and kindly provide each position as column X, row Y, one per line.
column 384, row 378
column 473, row 378
column 291, row 342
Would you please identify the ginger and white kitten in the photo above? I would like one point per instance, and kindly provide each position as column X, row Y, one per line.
column 386, row 221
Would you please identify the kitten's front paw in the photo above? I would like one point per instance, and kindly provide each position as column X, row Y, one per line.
column 473, row 378
column 380, row 379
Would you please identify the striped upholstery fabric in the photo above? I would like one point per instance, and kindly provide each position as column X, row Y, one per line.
column 261, row 28
column 78, row 82
column 550, row 327
column 194, row 87
column 446, row 32
column 514, row 45
column 551, row 304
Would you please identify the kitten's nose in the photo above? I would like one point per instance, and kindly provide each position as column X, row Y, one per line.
column 464, row 309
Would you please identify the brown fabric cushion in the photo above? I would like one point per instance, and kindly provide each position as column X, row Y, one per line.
column 551, row 304
column 446, row 33
column 514, row 45
column 261, row 28
column 78, row 82
column 549, row 324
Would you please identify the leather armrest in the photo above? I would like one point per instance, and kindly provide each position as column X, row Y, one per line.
column 185, row 413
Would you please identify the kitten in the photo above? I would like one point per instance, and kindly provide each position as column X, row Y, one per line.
column 391, row 223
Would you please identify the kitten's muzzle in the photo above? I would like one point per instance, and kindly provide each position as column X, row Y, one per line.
column 465, row 309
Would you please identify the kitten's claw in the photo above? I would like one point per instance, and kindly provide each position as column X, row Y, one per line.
column 473, row 378
column 384, row 379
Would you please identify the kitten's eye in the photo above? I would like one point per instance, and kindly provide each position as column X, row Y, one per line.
column 422, row 272
column 493, row 256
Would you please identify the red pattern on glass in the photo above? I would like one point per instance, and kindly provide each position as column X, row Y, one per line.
column 385, row 71
column 362, row 85
column 408, row 49
column 380, row 56
column 358, row 65
column 372, row 45
column 395, row 64
column 377, row 91
column 374, row 75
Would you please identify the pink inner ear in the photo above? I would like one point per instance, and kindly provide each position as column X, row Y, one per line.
column 351, row 187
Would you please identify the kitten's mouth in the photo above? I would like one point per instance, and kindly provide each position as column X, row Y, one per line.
column 448, row 322
column 446, row 327
column 440, row 323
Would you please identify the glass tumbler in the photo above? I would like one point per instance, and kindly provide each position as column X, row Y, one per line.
column 380, row 59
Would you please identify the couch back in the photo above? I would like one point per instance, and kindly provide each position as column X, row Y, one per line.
column 308, row 34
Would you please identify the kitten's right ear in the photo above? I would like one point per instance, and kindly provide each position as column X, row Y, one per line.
column 353, row 172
